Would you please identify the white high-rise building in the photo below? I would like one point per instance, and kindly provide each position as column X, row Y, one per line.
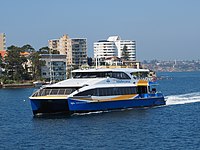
column 113, row 46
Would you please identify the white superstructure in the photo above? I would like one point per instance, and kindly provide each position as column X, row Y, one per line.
column 113, row 46
column 91, row 79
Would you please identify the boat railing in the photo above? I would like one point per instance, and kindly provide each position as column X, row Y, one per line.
column 45, row 92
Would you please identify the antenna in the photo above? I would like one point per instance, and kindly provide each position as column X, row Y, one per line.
column 50, row 69
column 96, row 61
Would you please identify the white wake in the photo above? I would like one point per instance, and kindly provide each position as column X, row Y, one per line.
column 183, row 98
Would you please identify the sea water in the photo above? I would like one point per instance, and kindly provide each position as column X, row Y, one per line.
column 174, row 126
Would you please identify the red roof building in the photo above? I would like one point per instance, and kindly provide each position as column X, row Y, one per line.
column 3, row 53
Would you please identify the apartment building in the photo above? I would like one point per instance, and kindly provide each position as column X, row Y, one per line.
column 75, row 49
column 53, row 44
column 113, row 47
column 55, row 67
column 2, row 41
column 79, row 51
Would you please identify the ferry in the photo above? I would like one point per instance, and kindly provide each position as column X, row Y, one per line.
column 92, row 90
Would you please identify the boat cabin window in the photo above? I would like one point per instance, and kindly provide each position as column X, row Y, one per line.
column 153, row 90
column 142, row 89
column 108, row 91
column 118, row 75
column 54, row 91
column 86, row 93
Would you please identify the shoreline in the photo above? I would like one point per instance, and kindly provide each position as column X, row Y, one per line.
column 20, row 85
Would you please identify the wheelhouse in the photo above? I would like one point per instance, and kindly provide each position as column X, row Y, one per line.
column 120, row 73
column 105, row 74
column 61, row 89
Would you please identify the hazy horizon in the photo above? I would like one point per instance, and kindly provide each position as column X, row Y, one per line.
column 163, row 30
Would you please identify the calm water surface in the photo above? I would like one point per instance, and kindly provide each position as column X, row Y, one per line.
column 174, row 126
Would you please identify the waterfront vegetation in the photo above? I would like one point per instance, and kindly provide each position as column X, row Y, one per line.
column 22, row 64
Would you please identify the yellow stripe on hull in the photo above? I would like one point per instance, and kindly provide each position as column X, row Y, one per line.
column 50, row 97
column 117, row 98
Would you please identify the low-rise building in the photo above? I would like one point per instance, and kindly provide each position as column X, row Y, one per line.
column 3, row 53
column 55, row 67
column 113, row 61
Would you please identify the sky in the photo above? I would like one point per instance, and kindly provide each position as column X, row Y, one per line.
column 162, row 29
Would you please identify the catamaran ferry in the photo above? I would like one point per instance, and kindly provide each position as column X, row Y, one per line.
column 97, row 90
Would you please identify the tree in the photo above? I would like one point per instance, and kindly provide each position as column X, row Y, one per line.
column 16, row 67
column 1, row 61
column 125, row 53
column 27, row 48
column 36, row 65
column 14, row 63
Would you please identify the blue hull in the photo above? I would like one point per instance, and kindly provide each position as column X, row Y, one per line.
column 70, row 106
column 76, row 106
column 41, row 106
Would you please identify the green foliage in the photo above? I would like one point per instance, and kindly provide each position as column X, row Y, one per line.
column 8, row 81
column 36, row 65
column 16, row 68
column 27, row 48
column 14, row 63
column 125, row 53
column 1, row 61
